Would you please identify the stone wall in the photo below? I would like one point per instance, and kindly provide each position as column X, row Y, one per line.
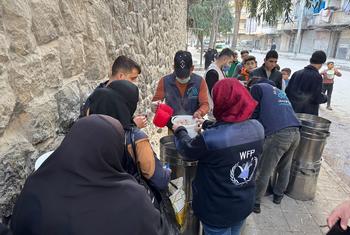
column 52, row 55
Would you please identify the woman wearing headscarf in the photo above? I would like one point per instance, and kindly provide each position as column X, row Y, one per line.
column 83, row 189
column 227, row 152
column 119, row 100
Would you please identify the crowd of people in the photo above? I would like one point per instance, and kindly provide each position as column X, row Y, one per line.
column 105, row 177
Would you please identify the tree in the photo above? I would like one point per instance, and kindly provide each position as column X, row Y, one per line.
column 238, row 10
column 211, row 17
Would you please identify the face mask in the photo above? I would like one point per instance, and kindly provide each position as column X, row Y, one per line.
column 183, row 81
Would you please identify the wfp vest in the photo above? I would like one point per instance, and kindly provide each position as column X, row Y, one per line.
column 224, row 187
column 189, row 103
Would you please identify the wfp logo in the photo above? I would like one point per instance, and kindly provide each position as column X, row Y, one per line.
column 241, row 174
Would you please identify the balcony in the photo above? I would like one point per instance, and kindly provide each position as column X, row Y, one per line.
column 268, row 30
column 290, row 26
column 338, row 18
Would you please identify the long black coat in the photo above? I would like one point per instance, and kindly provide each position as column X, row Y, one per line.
column 304, row 91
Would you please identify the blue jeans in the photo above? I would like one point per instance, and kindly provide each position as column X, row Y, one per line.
column 233, row 230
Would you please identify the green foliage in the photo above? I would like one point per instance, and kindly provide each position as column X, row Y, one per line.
column 271, row 11
column 202, row 14
column 226, row 21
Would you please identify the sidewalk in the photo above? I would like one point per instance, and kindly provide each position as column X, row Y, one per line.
column 300, row 217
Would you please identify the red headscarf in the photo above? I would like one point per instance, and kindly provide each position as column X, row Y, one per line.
column 232, row 101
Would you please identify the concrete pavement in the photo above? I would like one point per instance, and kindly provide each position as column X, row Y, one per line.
column 300, row 217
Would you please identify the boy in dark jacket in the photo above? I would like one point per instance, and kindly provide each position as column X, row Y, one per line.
column 304, row 89
column 227, row 153
column 268, row 70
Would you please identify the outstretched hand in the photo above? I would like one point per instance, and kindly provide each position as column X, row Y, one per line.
column 341, row 212
column 140, row 121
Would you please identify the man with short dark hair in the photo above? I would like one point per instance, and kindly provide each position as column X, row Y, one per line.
column 233, row 65
column 304, row 89
column 282, row 136
column 268, row 69
column 244, row 55
column 123, row 68
column 183, row 90
column 214, row 73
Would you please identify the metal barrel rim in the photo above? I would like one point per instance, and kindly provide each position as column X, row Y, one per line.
column 314, row 121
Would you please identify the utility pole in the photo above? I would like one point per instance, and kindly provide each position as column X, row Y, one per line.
column 300, row 24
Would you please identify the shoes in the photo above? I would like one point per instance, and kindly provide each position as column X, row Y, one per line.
column 256, row 208
column 277, row 199
column 329, row 108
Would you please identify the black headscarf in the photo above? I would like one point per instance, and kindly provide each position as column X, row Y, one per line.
column 82, row 188
column 118, row 100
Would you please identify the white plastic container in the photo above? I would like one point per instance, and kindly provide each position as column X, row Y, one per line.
column 186, row 121
column 41, row 160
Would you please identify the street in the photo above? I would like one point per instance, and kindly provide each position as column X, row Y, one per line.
column 337, row 150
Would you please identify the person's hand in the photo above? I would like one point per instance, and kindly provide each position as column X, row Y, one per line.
column 154, row 105
column 197, row 115
column 341, row 212
column 199, row 123
column 175, row 127
column 140, row 121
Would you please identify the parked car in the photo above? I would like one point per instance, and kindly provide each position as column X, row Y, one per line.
column 220, row 46
column 245, row 45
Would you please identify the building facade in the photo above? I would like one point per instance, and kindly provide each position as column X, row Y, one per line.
column 324, row 26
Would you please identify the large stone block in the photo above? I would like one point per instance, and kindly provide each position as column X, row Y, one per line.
column 96, row 64
column 16, row 163
column 26, row 77
column 73, row 15
column 7, row 102
column 71, row 55
column 51, row 65
column 17, row 20
column 68, row 103
column 38, row 122
column 47, row 20
column 4, row 47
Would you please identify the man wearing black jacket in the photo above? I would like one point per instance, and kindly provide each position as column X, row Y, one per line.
column 304, row 89
column 268, row 70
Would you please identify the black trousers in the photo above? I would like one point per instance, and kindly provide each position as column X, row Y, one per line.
column 328, row 87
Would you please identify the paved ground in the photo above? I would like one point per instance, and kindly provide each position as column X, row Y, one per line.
column 300, row 217
column 309, row 217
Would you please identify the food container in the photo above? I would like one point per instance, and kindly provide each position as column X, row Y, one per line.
column 188, row 122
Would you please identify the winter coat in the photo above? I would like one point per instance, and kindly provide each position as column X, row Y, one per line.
column 304, row 91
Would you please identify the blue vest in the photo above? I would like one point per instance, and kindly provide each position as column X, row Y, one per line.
column 224, row 187
column 276, row 112
column 189, row 103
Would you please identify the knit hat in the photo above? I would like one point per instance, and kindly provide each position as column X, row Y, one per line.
column 318, row 57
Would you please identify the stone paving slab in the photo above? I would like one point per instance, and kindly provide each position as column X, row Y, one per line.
column 300, row 217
